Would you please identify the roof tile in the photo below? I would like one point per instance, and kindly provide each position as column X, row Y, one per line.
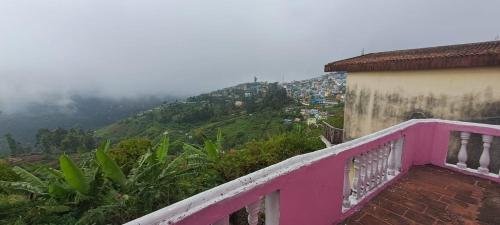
column 442, row 57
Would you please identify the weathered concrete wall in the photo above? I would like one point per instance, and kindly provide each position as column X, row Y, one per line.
column 377, row 100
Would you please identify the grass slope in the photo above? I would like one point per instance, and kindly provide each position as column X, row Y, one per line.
column 238, row 127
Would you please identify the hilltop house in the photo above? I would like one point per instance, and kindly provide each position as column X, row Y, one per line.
column 457, row 82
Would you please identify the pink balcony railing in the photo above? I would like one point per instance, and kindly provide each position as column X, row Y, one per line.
column 328, row 185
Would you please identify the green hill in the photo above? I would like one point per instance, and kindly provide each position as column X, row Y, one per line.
column 242, row 115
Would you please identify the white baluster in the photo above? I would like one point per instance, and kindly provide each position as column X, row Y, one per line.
column 462, row 154
column 484, row 161
column 386, row 158
column 392, row 159
column 272, row 208
column 347, row 188
column 369, row 174
column 374, row 168
column 380, row 164
column 366, row 180
column 223, row 221
column 399, row 152
column 362, row 176
column 253, row 210
column 357, row 173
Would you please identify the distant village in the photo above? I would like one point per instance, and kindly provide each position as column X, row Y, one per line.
column 328, row 89
column 314, row 95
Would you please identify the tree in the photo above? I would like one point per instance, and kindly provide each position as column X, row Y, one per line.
column 14, row 146
column 64, row 140
column 43, row 140
column 128, row 151
column 6, row 172
column 277, row 97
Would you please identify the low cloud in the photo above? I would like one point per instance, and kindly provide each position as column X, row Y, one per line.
column 120, row 48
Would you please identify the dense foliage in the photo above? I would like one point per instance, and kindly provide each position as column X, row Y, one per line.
column 6, row 172
column 15, row 147
column 259, row 117
column 98, row 190
column 256, row 155
column 54, row 141
column 62, row 140
column 336, row 118
column 144, row 170
column 80, row 112
column 128, row 151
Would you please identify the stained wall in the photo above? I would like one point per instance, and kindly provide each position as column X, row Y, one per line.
column 377, row 100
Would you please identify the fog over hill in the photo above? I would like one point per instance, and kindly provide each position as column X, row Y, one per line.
column 107, row 51
column 76, row 112
column 50, row 51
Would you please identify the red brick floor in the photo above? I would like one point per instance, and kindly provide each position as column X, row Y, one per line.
column 433, row 195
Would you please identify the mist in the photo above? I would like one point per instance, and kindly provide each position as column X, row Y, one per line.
column 52, row 50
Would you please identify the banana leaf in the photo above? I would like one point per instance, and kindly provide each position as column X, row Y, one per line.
column 219, row 140
column 57, row 190
column 109, row 166
column 21, row 186
column 211, row 149
column 28, row 177
column 162, row 150
column 73, row 175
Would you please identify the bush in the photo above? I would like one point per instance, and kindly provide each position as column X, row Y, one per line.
column 96, row 191
column 126, row 152
column 256, row 155
column 6, row 172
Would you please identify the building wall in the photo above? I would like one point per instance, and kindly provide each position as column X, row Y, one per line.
column 377, row 100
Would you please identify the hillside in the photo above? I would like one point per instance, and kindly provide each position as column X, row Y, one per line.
column 243, row 113
column 260, row 126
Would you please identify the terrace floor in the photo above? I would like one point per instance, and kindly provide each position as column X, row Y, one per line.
column 433, row 195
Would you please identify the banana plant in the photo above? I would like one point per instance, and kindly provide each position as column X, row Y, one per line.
column 30, row 183
column 162, row 150
column 219, row 140
column 99, row 187
column 73, row 175
column 54, row 183
column 109, row 166
column 212, row 151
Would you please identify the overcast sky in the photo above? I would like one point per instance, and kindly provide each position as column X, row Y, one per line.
column 52, row 49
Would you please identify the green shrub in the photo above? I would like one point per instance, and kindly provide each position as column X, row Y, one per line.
column 256, row 155
column 128, row 151
column 6, row 172
column 95, row 191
